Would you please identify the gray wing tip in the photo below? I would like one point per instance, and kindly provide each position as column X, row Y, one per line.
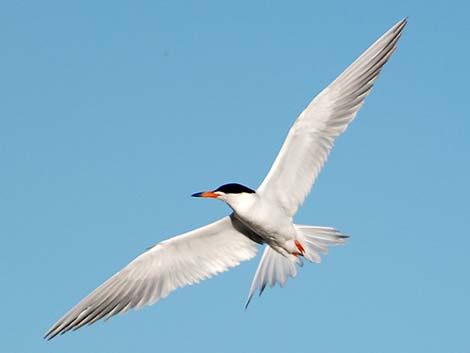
column 248, row 302
column 401, row 24
column 50, row 334
column 55, row 331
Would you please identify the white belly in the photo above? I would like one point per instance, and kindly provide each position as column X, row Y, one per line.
column 268, row 222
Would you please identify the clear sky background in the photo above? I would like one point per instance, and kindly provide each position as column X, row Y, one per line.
column 113, row 113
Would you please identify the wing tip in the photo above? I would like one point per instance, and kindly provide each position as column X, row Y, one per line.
column 248, row 302
column 49, row 335
column 398, row 27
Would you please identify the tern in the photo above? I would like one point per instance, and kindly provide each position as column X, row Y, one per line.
column 261, row 216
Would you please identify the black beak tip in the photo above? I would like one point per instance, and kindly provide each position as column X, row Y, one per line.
column 197, row 194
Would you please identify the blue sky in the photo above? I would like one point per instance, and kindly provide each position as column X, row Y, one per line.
column 113, row 113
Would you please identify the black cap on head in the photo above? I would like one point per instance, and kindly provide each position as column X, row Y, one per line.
column 234, row 188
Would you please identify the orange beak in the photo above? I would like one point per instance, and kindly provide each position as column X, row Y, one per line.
column 209, row 194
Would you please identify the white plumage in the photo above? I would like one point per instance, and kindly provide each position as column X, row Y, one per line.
column 264, row 216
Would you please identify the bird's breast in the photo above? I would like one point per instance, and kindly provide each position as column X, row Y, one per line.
column 268, row 222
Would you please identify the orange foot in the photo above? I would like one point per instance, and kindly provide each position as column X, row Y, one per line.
column 300, row 247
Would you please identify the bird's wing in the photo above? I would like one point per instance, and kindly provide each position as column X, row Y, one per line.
column 183, row 260
column 313, row 134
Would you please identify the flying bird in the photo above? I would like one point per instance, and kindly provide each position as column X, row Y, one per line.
column 261, row 216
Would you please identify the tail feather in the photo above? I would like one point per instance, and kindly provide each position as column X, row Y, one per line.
column 317, row 239
column 328, row 235
column 275, row 267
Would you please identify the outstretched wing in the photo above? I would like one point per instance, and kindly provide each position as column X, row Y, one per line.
column 313, row 134
column 183, row 260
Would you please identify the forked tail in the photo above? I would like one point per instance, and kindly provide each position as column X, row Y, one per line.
column 316, row 240
column 275, row 267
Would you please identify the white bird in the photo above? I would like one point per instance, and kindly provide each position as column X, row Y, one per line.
column 264, row 216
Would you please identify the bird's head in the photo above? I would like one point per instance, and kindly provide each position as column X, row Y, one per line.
column 232, row 193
